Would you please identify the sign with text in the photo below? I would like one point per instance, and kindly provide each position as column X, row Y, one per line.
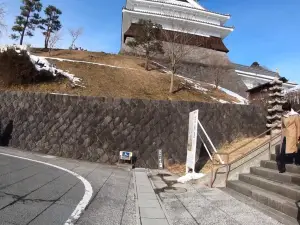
column 160, row 159
column 192, row 141
column 125, row 155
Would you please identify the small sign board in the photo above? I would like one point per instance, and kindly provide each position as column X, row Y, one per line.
column 125, row 155
column 192, row 141
column 160, row 159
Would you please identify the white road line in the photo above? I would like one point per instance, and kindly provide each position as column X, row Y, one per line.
column 87, row 195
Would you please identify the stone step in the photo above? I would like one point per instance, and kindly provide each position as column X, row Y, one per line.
column 288, row 190
column 271, row 199
column 286, row 178
column 273, row 157
column 292, row 168
column 273, row 213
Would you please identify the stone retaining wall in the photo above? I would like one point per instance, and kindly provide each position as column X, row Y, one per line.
column 96, row 129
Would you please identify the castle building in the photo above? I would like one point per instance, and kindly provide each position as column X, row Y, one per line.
column 206, row 30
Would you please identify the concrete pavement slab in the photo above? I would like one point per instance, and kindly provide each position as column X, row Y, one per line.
column 146, row 221
column 152, row 213
column 147, row 196
column 148, row 203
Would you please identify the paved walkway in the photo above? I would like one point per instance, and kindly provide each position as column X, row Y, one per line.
column 150, row 210
column 194, row 205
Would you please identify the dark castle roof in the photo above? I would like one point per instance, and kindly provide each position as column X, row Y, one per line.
column 214, row 43
column 265, row 86
column 256, row 69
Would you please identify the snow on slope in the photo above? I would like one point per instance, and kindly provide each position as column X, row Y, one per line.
column 197, row 85
column 80, row 61
column 41, row 63
column 241, row 99
column 294, row 89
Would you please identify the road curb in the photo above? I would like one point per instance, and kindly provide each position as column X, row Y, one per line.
column 137, row 209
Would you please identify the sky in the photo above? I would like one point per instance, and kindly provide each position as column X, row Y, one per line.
column 266, row 31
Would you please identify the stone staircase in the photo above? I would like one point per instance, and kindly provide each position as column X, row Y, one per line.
column 264, row 184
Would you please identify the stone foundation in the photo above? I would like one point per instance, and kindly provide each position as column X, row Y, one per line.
column 96, row 129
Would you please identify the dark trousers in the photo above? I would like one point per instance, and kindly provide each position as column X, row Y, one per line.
column 282, row 158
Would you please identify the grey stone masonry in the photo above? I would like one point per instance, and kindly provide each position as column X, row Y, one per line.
column 96, row 128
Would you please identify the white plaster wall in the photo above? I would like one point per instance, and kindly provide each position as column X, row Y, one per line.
column 175, row 11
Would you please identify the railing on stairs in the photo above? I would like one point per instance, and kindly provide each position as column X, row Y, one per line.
column 226, row 162
column 209, row 141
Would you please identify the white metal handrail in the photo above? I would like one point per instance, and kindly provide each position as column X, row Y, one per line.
column 210, row 142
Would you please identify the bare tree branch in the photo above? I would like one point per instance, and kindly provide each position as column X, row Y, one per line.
column 53, row 40
column 177, row 47
column 75, row 33
column 217, row 67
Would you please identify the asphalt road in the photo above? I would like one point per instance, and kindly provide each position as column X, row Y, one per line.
column 37, row 194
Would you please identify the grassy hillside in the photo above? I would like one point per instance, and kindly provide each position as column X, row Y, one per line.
column 129, row 81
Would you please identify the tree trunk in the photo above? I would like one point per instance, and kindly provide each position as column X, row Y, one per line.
column 22, row 37
column 147, row 63
column 23, row 32
column 172, row 83
column 46, row 45
column 173, row 75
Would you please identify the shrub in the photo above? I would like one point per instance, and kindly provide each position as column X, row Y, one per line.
column 16, row 68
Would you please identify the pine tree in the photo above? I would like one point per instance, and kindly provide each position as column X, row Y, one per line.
column 51, row 23
column 147, row 39
column 29, row 19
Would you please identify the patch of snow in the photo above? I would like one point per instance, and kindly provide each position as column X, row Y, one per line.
column 41, row 64
column 223, row 101
column 80, row 61
column 190, row 176
column 17, row 48
column 219, row 100
column 294, row 89
column 198, row 87
column 242, row 100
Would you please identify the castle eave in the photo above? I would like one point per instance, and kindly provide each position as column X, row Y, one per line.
column 225, row 16
column 214, row 43
column 225, row 29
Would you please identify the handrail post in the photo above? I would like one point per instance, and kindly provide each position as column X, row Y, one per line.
column 209, row 140
column 270, row 145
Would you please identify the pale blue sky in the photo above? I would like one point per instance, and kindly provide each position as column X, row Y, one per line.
column 267, row 31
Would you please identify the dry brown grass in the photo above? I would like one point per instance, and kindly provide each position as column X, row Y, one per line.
column 115, row 82
column 236, row 150
column 179, row 169
column 96, row 57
